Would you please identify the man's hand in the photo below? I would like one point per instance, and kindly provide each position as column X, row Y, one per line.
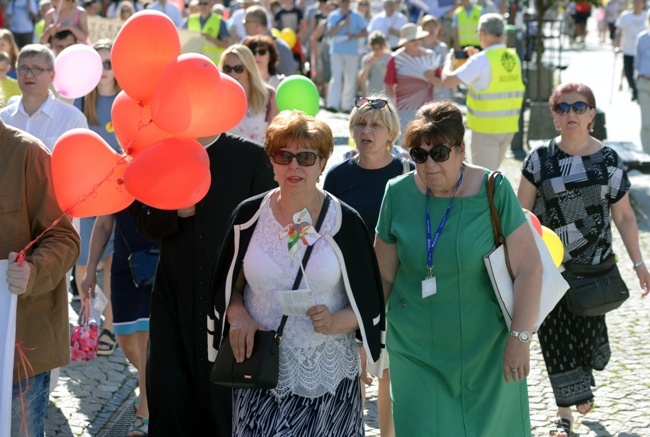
column 17, row 275
column 186, row 212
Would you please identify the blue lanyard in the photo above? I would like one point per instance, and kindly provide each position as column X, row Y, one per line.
column 431, row 242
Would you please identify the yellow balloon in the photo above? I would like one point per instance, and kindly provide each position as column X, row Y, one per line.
column 554, row 245
column 289, row 36
column 275, row 32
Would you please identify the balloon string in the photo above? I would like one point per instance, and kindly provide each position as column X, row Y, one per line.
column 24, row 364
column 141, row 125
column 21, row 255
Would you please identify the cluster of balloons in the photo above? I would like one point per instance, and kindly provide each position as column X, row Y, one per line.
column 168, row 100
column 552, row 241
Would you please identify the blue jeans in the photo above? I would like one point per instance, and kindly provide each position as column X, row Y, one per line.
column 36, row 395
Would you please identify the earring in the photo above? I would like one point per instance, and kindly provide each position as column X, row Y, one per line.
column 275, row 178
column 590, row 126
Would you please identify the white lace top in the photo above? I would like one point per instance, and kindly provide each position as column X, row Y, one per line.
column 311, row 364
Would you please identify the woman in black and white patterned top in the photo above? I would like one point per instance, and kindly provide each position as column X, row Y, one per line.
column 576, row 186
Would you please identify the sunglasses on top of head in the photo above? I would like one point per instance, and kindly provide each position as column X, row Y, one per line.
column 239, row 69
column 305, row 159
column 564, row 108
column 375, row 103
column 438, row 154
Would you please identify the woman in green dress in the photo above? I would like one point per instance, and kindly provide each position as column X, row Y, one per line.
column 456, row 368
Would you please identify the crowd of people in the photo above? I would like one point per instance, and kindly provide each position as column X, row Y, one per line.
column 446, row 360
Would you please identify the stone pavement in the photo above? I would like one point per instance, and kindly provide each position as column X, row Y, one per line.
column 95, row 398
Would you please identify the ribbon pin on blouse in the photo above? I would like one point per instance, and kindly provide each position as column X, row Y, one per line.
column 300, row 230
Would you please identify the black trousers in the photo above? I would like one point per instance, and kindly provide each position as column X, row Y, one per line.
column 628, row 67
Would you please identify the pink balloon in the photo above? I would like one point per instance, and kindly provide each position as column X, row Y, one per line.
column 171, row 174
column 77, row 71
column 88, row 175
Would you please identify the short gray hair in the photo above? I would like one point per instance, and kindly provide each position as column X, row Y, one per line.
column 37, row 50
column 492, row 24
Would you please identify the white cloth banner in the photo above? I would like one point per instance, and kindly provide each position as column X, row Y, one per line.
column 7, row 348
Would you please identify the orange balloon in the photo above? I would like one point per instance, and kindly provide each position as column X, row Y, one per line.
column 171, row 174
column 133, row 125
column 88, row 175
column 535, row 221
column 147, row 42
column 194, row 100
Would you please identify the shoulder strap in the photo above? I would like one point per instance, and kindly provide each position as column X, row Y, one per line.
column 296, row 283
column 499, row 239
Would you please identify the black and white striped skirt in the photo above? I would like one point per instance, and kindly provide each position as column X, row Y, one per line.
column 259, row 413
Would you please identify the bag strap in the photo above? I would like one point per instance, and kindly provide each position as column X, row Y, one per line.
column 499, row 239
column 296, row 283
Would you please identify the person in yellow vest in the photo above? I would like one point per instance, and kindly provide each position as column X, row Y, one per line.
column 496, row 92
column 212, row 27
column 464, row 24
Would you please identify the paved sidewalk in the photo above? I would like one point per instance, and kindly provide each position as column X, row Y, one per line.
column 95, row 398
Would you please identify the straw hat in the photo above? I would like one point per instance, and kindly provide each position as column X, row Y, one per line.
column 411, row 32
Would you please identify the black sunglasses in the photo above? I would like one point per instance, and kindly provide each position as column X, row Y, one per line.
column 239, row 69
column 260, row 52
column 375, row 103
column 107, row 65
column 564, row 108
column 306, row 159
column 438, row 154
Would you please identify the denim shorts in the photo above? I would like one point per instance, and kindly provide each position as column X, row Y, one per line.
column 36, row 396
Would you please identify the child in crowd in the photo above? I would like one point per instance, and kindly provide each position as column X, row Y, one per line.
column 8, row 85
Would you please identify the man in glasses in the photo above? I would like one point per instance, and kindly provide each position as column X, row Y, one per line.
column 211, row 27
column 389, row 22
column 38, row 112
column 496, row 92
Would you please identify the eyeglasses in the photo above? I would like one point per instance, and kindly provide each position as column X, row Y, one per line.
column 36, row 71
column 564, row 108
column 438, row 154
column 204, row 4
column 364, row 4
column 306, row 159
column 260, row 52
column 107, row 65
column 375, row 103
column 239, row 69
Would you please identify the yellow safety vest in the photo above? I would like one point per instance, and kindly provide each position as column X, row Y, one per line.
column 496, row 109
column 468, row 26
column 39, row 28
column 211, row 27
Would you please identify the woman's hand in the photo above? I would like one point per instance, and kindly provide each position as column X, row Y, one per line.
column 242, row 333
column 325, row 322
column 365, row 376
column 644, row 279
column 88, row 283
column 516, row 359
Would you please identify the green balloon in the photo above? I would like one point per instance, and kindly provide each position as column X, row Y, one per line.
column 297, row 92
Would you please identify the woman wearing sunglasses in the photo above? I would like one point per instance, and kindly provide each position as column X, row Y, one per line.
column 318, row 392
column 238, row 62
column 266, row 58
column 360, row 182
column 576, row 186
column 455, row 367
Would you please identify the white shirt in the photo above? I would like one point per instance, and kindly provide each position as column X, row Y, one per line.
column 19, row 10
column 171, row 10
column 477, row 69
column 384, row 23
column 631, row 26
column 48, row 123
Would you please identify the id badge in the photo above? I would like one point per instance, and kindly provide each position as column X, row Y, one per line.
column 428, row 287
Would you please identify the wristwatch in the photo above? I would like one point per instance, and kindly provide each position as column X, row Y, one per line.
column 523, row 336
column 638, row 264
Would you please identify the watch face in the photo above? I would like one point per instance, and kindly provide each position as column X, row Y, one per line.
column 524, row 336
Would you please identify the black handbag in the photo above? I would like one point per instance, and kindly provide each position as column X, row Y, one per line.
column 261, row 370
column 594, row 289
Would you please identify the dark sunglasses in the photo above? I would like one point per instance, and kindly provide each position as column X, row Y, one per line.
column 563, row 108
column 239, row 69
column 107, row 65
column 438, row 154
column 306, row 159
column 260, row 52
column 375, row 103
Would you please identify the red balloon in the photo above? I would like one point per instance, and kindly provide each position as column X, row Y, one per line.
column 88, row 175
column 171, row 174
column 133, row 125
column 194, row 100
column 147, row 42
column 535, row 221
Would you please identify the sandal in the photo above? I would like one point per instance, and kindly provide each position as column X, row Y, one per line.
column 586, row 407
column 139, row 430
column 110, row 345
column 562, row 426
column 136, row 404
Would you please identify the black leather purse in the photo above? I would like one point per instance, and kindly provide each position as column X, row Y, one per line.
column 594, row 289
column 262, row 368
